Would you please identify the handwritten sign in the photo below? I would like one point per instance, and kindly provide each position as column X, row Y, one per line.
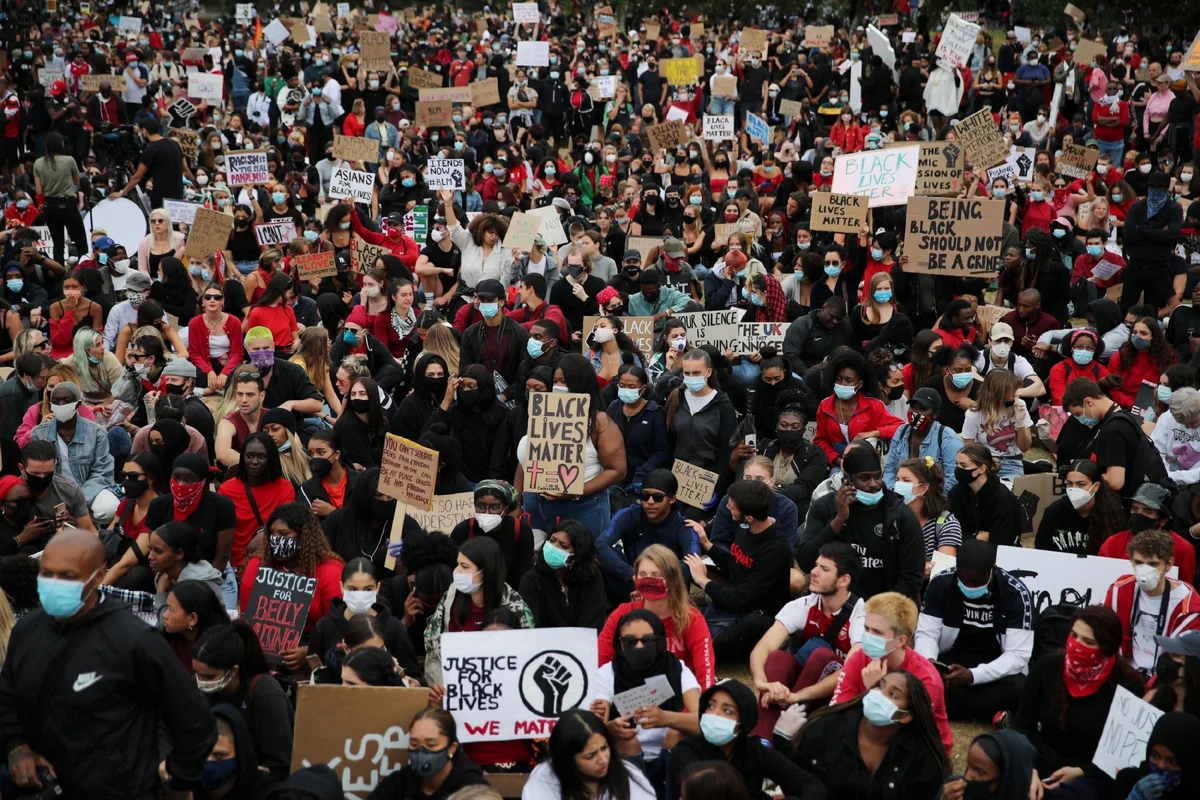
column 985, row 146
column 423, row 79
column 651, row 694
column 1126, row 732
column 942, row 562
column 886, row 177
column 315, row 266
column 754, row 336
column 557, row 441
column 408, row 472
column 957, row 42
column 181, row 211
column 718, row 328
column 522, row 229
column 247, row 168
column 840, row 213
column 533, row 54
column 203, row 86
column 446, row 173
column 446, row 94
column 129, row 26
column 551, row 230
column 718, row 127
column 818, row 35
column 347, row 182
column 364, row 256
column 946, row 235
column 356, row 148
column 666, row 135
column 277, row 608
column 432, row 114
column 244, row 13
column 1077, row 161
column 696, row 485
column 91, row 83
column 940, row 169
column 448, row 510
column 526, row 13
column 753, row 43
column 485, row 93
column 1191, row 61
column 376, row 51
column 275, row 234
column 679, row 71
column 209, row 233
column 725, row 86
column 639, row 329
column 757, row 128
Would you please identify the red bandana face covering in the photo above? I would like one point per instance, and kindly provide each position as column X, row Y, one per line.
column 1085, row 668
column 186, row 496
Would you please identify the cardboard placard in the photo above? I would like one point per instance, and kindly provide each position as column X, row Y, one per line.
column 551, row 230
column 940, row 169
column 679, row 71
column 129, row 26
column 522, row 229
column 988, row 315
column 957, row 42
column 91, row 83
column 718, row 328
column 1191, row 60
column 979, row 134
column 356, row 148
column 721, row 231
column 639, row 329
column 724, row 86
column 205, row 86
column 960, row 237
column 447, row 94
column 181, row 211
column 485, row 93
column 652, row 30
column 423, row 79
column 246, row 168
column 818, row 35
column 505, row 685
column 666, row 135
column 1126, row 732
column 314, row 266
column 277, row 608
column 840, row 213
column 1077, row 161
column 646, row 245
column 351, row 183
column 188, row 140
column 364, row 256
column 606, row 22
column 752, row 43
column 1086, row 50
column 448, row 510
column 887, row 20
column 718, row 127
column 408, row 472
column 886, row 177
column 446, row 173
column 1075, row 13
column 790, row 108
column 375, row 51
column 361, row 732
column 275, row 234
column 557, row 440
column 435, row 114
column 696, row 485
column 194, row 54
column 209, row 233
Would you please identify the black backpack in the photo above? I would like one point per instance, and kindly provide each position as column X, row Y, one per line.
column 1050, row 629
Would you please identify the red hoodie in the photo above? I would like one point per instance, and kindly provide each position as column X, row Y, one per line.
column 403, row 247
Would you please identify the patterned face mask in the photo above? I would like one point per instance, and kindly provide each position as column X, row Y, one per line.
column 283, row 547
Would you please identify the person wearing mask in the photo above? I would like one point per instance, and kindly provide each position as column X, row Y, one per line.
column 23, row 389
column 286, row 385
column 985, row 507
column 999, row 356
column 564, row 589
column 851, row 410
column 999, row 767
column 1151, row 231
column 533, row 308
column 919, row 481
column 363, row 525
column 141, row 481
column 257, row 489
column 782, row 509
column 875, row 520
column 496, row 504
column 643, row 425
column 88, row 462
column 701, row 417
column 232, row 767
column 798, row 466
column 584, row 761
column 1081, row 349
column 1000, row 421
column 1152, row 509
column 331, row 482
column 438, row 767
column 1126, row 458
column 475, row 416
column 655, row 300
column 1170, row 769
column 496, row 341
column 1085, row 518
column 363, row 427
column 1028, row 322
column 923, row 437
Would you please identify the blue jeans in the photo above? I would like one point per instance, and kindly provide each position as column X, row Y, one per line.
column 120, row 445
column 229, row 588
column 721, row 106
column 1115, row 150
column 246, row 267
column 1011, row 467
column 592, row 511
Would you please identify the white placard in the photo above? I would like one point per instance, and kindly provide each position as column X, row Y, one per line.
column 446, row 173
column 244, row 13
column 887, row 177
column 718, row 328
column 551, row 229
column 181, row 211
column 277, row 32
column 908, row 37
column 505, row 685
column 47, row 77
column 1023, row 160
column 205, row 86
column 526, row 13
column 856, row 86
column 275, row 234
column 606, row 85
column 346, row 182
column 1105, row 270
column 246, row 168
column 129, row 26
column 533, row 54
column 1126, row 731
column 881, row 46
column 754, row 336
column 718, row 127
column 653, row 693
column 957, row 42
column 44, row 243
column 1003, row 170
column 343, row 10
column 942, row 562
column 676, row 114
column 1054, row 577
column 1024, row 35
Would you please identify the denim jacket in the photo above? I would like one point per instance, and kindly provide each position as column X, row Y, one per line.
column 91, row 463
column 941, row 444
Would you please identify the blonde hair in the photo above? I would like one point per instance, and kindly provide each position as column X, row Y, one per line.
column 678, row 602
column 440, row 341
column 899, row 611
column 163, row 212
column 760, row 461
column 998, row 386
column 295, row 461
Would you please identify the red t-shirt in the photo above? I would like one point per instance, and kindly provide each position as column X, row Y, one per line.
column 850, row 686
column 280, row 319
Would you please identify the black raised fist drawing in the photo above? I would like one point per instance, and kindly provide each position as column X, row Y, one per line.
column 950, row 152
column 552, row 678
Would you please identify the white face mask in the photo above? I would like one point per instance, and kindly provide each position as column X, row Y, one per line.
column 465, row 582
column 121, row 266
column 1078, row 497
column 489, row 522
column 65, row 412
column 1145, row 168
column 371, row 291
column 359, row 602
column 602, row 335
column 437, row 234
column 1001, row 350
column 1147, row 576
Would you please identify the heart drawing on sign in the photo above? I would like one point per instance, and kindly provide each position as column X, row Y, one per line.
column 567, row 475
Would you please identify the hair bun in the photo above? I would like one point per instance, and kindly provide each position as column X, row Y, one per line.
column 768, row 351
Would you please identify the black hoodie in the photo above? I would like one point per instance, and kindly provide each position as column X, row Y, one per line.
column 252, row 783
column 513, row 536
column 404, row 784
column 1181, row 733
column 330, row 631
column 319, row 782
column 1016, row 764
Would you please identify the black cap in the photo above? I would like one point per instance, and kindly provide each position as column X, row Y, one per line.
column 1158, row 180
column 632, row 255
column 663, row 480
column 927, row 398
column 490, row 288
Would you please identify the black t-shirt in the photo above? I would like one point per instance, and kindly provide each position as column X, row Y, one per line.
column 1063, row 530
column 951, row 415
column 444, row 259
column 1116, row 445
column 652, row 86
column 164, row 166
column 215, row 513
column 289, row 382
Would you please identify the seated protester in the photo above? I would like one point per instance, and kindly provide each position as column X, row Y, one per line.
column 889, row 727
column 584, row 761
column 1176, row 673
column 1120, row 449
column 331, row 483
column 231, row 669
column 701, row 417
column 1171, row 770
column 271, row 311
column 168, row 438
column 729, row 717
column 450, row 479
column 660, row 588
column 371, row 666
column 957, row 326
column 783, row 510
column 999, row 356
column 45, row 490
column 919, row 483
column 757, row 564
column 1000, row 420
column 812, row 339
column 798, row 659
column 955, row 383
column 496, row 517
column 923, row 437
column 360, row 595
column 88, row 463
column 1082, row 350
column 564, row 588
column 999, row 761
column 874, row 520
column 248, row 391
column 653, row 520
column 890, row 621
column 798, row 464
column 232, row 766
column 1085, row 517
column 984, row 506
column 851, row 410
column 516, row 422
column 355, row 339
column 643, row 424
column 363, row 525
column 428, row 561
column 977, row 619
column 1066, row 701
column 475, row 416
column 359, row 631
column 1149, row 603
column 280, row 425
column 1176, row 435
column 287, row 385
column 40, row 412
column 775, row 377
column 656, row 300
column 256, row 489
column 641, row 654
column 532, row 306
column 430, row 385
column 1141, row 360
column 141, row 482
column 1150, row 511
column 1086, row 285
column 23, row 389
column 179, row 379
column 363, row 425
column 437, row 766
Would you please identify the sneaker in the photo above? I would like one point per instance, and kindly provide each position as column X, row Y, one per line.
column 1000, row 720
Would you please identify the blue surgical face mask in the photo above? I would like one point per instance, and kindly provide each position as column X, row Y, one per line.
column 15, row 285
column 61, row 598
column 717, row 730
column 312, row 236
column 874, row 645
column 200, row 272
column 695, row 200
column 804, row 245
column 962, row 380
column 534, row 348
column 998, row 192
column 868, row 498
column 883, row 296
column 1164, row 393
column 349, row 337
column 1095, row 250
column 1082, row 357
column 554, row 557
column 629, row 396
column 278, row 198
column 844, row 392
column 695, row 383
column 972, row 592
column 833, row 270
column 1084, row 419
column 217, row 773
column 878, row 709
column 877, row 253
column 1037, row 197
column 489, row 310
column 408, row 183
column 1059, row 233
column 758, row 300
column 561, row 389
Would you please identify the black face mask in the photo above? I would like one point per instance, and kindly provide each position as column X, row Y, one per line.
column 896, row 392
column 135, row 489
column 964, row 476
column 320, row 466
column 241, row 223
column 1167, row 670
column 1140, row 522
column 574, row 272
column 38, row 483
column 468, row 397
column 360, row 405
column 789, row 440
column 639, row 658
column 174, row 389
column 437, row 387
column 382, row 509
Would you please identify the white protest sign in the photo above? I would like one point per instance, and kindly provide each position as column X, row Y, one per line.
column 277, row 32
column 551, row 229
column 1024, row 35
column 882, row 46
column 181, row 210
column 47, row 77
column 1023, row 160
column 886, row 177
column 245, row 13
column 653, row 693
column 718, row 328
column 606, row 85
column 533, row 54
column 250, row 167
column 44, row 243
column 1105, row 270
column 525, row 13
column 129, row 26
column 958, row 39
column 205, row 86
column 718, row 127
column 1054, row 577
column 346, row 182
column 856, row 86
column 445, row 173
column 505, row 685
column 275, row 234
column 754, row 336
column 1126, row 731
column 1005, row 170
column 343, row 10
column 942, row 562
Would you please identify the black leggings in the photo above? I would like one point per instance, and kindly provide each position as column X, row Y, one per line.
column 60, row 213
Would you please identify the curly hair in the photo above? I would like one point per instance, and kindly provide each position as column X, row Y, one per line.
column 313, row 549
column 487, row 222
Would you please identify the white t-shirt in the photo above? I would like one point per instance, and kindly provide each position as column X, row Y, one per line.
column 1145, row 649
column 1002, row 440
column 1017, row 365
column 652, row 739
column 805, row 613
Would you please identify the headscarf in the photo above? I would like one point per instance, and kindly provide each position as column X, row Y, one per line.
column 1180, row 732
column 665, row 663
column 1013, row 754
column 175, row 441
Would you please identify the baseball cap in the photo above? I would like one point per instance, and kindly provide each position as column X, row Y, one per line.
column 1185, row 644
column 180, row 368
column 1153, row 495
column 1002, row 330
column 490, row 288
column 138, row 281
column 926, row 398
column 674, row 248
column 102, row 244
column 632, row 255
column 58, row 88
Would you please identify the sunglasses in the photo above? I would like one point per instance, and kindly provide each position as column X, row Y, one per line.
column 213, row 297
column 653, row 497
column 131, row 476
column 630, row 642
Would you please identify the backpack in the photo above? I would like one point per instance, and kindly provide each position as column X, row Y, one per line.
column 1146, row 460
column 1050, row 629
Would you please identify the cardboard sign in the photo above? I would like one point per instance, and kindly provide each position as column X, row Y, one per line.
column 652, row 30
column 504, row 685
column 522, row 229
column 606, row 22
column 646, row 245
column 557, row 440
column 1191, row 60
column 940, row 169
column 718, row 328
column 246, row 168
column 639, row 329
column 946, row 235
column 696, row 485
column 448, row 510
column 375, row 51
column 679, row 71
column 790, row 108
column 434, row 114
column 47, row 77
column 533, row 54
column 754, row 336
column 423, row 79
column 91, row 83
column 180, row 211
column 1086, row 50
column 886, row 177
column 1075, row 13
column 666, row 135
column 244, row 13
column 752, row 43
column 205, row 86
column 275, row 234
column 343, row 10
column 277, row 609
column 347, row 182
column 361, row 732
column 446, row 94
column 314, row 266
column 485, row 93
column 718, row 127
column 194, row 54
column 356, row 148
column 526, row 13
column 887, row 20
column 957, row 42
column 408, row 472
column 724, row 86
column 818, row 35
column 1126, row 732
column 209, row 233
column 446, row 173
column 364, row 256
column 988, row 315
column 551, row 230
column 188, row 140
column 840, row 213
column 1077, row 161
column 985, row 146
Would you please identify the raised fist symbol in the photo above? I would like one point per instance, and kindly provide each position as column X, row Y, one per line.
column 950, row 152
column 552, row 678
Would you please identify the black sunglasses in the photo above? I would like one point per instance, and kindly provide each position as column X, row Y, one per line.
column 213, row 297
column 654, row 497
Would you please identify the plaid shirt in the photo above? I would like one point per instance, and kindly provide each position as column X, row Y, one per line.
column 140, row 603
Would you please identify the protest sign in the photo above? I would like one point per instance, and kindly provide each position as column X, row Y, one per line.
column 551, row 228
column 446, row 173
column 277, row 32
column 1126, row 732
column 988, row 315
column 183, row 109
column 606, row 86
column 652, row 29
column 886, row 177
column 753, row 336
column 275, row 234
column 356, row 148
column 726, row 86
column 1191, row 61
column 718, row 127
column 91, row 83
column 940, row 169
column 485, row 93
column 209, row 233
column 558, row 433
column 194, row 54
column 1086, row 50
column 525, row 13
column 277, row 608
column 645, row 245
column 533, row 54
column 434, row 114
column 505, row 685
column 1023, row 159
column 129, row 26
column 408, row 472
column 244, row 13
column 314, row 266
column 347, row 182
column 942, row 562
column 301, row 33
column 753, row 43
column 639, row 329
column 522, row 229
column 47, row 77
column 679, row 71
column 1075, row 13
column 446, row 94
column 364, row 256
column 817, row 35
column 696, row 485
column 651, row 694
column 718, row 328
column 343, row 10
column 203, row 86
column 606, row 22
column 979, row 134
column 666, row 135
column 181, row 211
column 887, row 20
column 44, row 242
column 957, row 42
column 790, row 108
column 840, row 213
column 1103, row 269
column 1053, row 577
column 945, row 235
column 721, row 231
column 1077, row 161
column 360, row 732
column 448, row 510
column 375, row 51
column 247, row 167
column 423, row 79
column 757, row 128
column 1024, row 35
